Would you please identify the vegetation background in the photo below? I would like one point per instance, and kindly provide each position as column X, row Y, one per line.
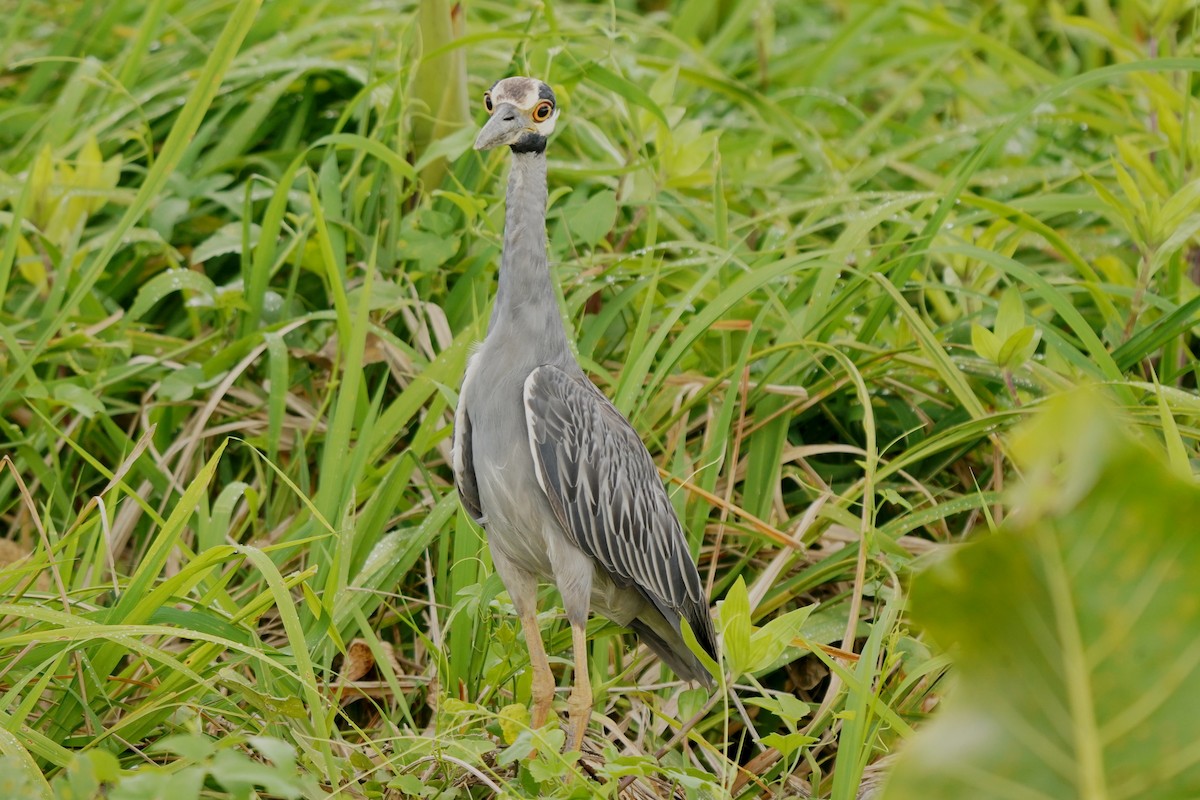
column 825, row 255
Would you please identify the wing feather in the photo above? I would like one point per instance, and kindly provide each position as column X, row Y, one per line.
column 605, row 491
column 464, row 460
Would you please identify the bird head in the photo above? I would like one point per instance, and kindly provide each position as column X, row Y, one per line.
column 522, row 113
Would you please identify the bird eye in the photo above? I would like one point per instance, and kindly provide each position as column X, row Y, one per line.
column 542, row 111
column 487, row 101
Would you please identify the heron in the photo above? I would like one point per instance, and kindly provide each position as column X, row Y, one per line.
column 557, row 477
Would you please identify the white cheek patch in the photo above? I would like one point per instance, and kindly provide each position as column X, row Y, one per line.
column 546, row 128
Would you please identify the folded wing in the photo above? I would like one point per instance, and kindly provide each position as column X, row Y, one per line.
column 605, row 491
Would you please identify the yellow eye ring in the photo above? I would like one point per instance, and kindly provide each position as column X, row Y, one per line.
column 487, row 102
column 542, row 111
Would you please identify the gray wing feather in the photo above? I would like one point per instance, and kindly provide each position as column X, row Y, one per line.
column 605, row 491
column 464, row 462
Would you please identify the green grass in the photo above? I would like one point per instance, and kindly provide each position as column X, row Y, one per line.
column 824, row 255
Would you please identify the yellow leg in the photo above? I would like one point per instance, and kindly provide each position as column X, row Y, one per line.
column 543, row 680
column 579, row 704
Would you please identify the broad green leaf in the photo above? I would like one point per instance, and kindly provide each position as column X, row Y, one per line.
column 87, row 773
column 521, row 747
column 428, row 250
column 787, row 707
column 513, row 718
column 791, row 708
column 1074, row 632
column 770, row 641
column 1010, row 316
column 410, row 786
column 239, row 773
column 985, row 343
column 180, row 384
column 193, row 746
column 1017, row 348
column 590, row 221
column 79, row 398
column 159, row 784
column 735, row 627
column 549, row 766
column 787, row 743
column 280, row 753
column 690, row 148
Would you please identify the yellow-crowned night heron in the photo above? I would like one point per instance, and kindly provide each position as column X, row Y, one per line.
column 546, row 464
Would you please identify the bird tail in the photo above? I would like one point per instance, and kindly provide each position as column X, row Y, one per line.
column 674, row 654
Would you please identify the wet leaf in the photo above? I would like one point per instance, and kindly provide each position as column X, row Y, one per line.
column 165, row 283
column 227, row 239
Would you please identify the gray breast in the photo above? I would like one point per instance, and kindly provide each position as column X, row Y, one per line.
column 514, row 506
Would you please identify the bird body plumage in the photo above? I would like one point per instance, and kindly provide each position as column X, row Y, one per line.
column 560, row 481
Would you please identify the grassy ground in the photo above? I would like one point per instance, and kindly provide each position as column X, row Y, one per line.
column 824, row 255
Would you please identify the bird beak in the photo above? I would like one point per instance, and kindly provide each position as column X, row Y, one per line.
column 504, row 126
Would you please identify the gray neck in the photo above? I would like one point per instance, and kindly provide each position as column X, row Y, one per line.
column 526, row 305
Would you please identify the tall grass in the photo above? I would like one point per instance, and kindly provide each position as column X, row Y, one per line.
column 824, row 256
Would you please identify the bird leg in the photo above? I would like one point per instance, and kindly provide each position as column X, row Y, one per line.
column 542, row 688
column 579, row 704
